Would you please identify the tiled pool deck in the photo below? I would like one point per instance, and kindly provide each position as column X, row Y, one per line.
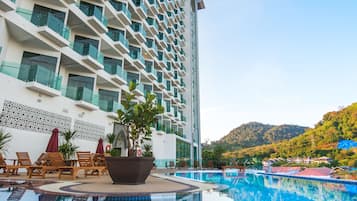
column 94, row 185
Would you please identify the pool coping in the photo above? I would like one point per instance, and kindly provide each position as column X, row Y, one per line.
column 191, row 188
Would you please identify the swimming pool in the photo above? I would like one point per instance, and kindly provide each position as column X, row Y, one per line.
column 249, row 187
column 258, row 187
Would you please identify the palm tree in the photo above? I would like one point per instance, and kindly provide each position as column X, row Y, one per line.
column 4, row 139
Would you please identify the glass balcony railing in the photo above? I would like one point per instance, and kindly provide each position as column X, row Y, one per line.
column 164, row 2
column 121, row 7
column 136, row 54
column 96, row 12
column 81, row 94
column 162, row 37
column 109, row 105
column 139, row 86
column 160, row 127
column 182, row 67
column 45, row 19
column 137, row 27
column 150, row 43
column 140, row 4
column 161, row 57
column 152, row 22
column 152, row 2
column 162, row 19
column 160, row 77
column 149, row 68
column 168, row 66
column 87, row 49
column 115, row 70
column 118, row 36
column 32, row 73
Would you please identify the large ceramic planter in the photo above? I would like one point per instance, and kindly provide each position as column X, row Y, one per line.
column 129, row 170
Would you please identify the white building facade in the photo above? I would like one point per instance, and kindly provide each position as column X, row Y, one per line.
column 66, row 63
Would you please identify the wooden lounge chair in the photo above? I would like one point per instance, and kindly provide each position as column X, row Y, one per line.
column 8, row 169
column 99, row 160
column 87, row 164
column 24, row 161
column 56, row 159
column 53, row 162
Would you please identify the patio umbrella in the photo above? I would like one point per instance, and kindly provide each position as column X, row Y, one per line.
column 53, row 142
column 100, row 149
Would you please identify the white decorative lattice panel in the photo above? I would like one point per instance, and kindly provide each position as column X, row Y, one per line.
column 19, row 116
column 88, row 131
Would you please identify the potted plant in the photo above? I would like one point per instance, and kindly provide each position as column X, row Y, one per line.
column 137, row 118
column 112, row 152
column 67, row 148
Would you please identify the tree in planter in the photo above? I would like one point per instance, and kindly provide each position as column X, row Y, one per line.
column 138, row 118
column 68, row 148
column 5, row 138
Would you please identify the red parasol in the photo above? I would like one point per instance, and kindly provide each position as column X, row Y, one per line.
column 53, row 142
column 100, row 149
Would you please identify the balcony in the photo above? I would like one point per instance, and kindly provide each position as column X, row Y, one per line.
column 84, row 97
column 162, row 59
column 141, row 9
column 96, row 18
column 169, row 52
column 164, row 5
column 153, row 7
column 169, row 88
column 119, row 39
column 109, row 106
column 169, row 109
column 162, row 21
column 139, row 90
column 90, row 54
column 122, row 11
column 163, row 40
column 149, row 68
column 7, row 5
column 118, row 74
column 49, row 26
column 135, row 54
column 154, row 27
column 150, row 43
column 38, row 78
column 139, row 31
column 160, row 79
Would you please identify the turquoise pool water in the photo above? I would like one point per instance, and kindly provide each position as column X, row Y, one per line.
column 252, row 187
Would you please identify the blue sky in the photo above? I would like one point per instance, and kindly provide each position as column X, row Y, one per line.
column 275, row 61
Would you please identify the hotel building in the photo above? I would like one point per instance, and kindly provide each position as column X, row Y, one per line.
column 66, row 63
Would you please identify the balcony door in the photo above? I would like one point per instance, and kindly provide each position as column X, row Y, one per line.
column 80, row 87
column 37, row 67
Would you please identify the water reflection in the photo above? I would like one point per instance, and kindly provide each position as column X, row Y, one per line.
column 260, row 188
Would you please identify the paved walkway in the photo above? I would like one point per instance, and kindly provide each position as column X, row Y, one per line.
column 94, row 185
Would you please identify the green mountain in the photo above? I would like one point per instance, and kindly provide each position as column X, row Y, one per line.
column 316, row 142
column 254, row 133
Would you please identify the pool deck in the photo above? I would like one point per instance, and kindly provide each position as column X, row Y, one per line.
column 157, row 182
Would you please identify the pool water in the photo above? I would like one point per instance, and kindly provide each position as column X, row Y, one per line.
column 257, row 187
